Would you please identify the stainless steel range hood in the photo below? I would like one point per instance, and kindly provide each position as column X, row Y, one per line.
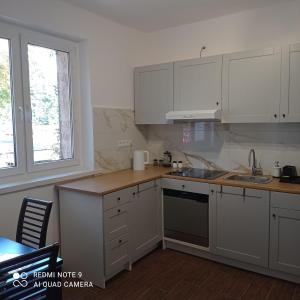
column 204, row 115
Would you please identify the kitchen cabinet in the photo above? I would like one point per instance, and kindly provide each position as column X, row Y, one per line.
column 284, row 233
column 153, row 86
column 110, row 231
column 116, row 241
column 240, row 227
column 251, row 86
column 197, row 83
column 145, row 220
column 290, row 103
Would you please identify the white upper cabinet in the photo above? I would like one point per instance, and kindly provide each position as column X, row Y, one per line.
column 251, row 87
column 197, row 83
column 153, row 93
column 290, row 104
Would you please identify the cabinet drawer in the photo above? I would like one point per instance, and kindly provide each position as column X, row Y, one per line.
column 147, row 185
column 116, row 254
column 244, row 191
column 116, row 222
column 285, row 200
column 118, row 198
column 184, row 185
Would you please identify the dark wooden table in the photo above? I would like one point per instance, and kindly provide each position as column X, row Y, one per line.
column 10, row 249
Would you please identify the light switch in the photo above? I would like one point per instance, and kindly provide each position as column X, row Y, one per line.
column 124, row 143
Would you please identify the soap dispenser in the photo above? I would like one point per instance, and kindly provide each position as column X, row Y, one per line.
column 276, row 170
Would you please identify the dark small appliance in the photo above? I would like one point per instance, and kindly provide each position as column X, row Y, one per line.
column 289, row 171
column 289, row 175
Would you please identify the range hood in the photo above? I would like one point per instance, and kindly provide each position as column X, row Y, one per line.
column 205, row 115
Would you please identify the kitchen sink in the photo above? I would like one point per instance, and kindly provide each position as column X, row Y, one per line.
column 250, row 178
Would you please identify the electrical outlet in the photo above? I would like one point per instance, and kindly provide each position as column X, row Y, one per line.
column 124, row 143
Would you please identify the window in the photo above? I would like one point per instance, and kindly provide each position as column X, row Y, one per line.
column 7, row 140
column 50, row 104
column 37, row 101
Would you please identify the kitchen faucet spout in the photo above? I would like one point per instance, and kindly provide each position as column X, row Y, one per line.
column 255, row 170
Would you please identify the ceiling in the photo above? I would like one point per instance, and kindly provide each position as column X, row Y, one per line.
column 151, row 15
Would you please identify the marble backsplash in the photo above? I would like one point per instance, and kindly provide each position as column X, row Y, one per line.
column 110, row 126
column 197, row 144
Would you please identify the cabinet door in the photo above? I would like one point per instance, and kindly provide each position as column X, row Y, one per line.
column 153, row 93
column 285, row 240
column 241, row 225
column 251, row 87
column 290, row 102
column 197, row 83
column 145, row 222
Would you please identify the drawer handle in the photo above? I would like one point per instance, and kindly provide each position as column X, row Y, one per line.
column 183, row 186
column 119, row 210
column 120, row 241
column 133, row 193
column 118, row 198
column 274, row 216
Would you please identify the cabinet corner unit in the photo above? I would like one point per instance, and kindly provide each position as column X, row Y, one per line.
column 103, row 235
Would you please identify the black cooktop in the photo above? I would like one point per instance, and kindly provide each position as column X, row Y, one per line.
column 198, row 173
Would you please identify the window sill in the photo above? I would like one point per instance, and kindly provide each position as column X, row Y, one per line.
column 44, row 181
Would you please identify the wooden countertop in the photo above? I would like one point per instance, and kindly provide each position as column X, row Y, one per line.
column 111, row 182
column 107, row 183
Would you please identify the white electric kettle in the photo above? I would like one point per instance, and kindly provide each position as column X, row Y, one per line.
column 140, row 159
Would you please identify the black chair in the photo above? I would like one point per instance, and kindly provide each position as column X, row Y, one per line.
column 33, row 222
column 19, row 280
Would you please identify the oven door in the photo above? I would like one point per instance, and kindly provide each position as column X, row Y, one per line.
column 186, row 217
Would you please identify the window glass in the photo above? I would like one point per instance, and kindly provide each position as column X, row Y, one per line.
column 52, row 132
column 7, row 140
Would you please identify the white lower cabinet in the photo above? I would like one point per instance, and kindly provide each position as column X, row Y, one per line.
column 285, row 233
column 241, row 224
column 116, row 239
column 116, row 254
column 145, row 220
column 101, row 236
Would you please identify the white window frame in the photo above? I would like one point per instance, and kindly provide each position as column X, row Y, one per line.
column 21, row 105
column 38, row 39
column 10, row 33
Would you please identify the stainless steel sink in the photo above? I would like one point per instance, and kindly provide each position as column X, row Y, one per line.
column 250, row 178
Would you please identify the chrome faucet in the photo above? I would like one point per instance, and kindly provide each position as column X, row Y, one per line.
column 254, row 168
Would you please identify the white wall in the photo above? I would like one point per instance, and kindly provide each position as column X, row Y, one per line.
column 10, row 205
column 269, row 26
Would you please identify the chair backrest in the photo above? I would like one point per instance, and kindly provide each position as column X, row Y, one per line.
column 33, row 222
column 19, row 279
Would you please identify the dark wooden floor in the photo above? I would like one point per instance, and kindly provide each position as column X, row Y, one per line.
column 172, row 275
